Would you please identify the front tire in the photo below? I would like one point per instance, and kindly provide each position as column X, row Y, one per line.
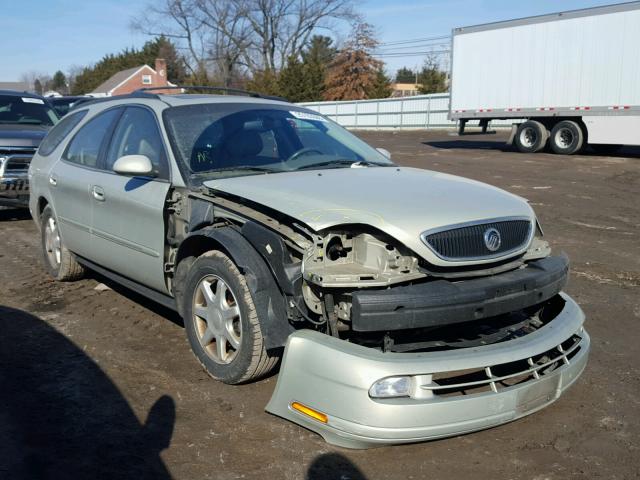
column 222, row 323
column 58, row 260
column 566, row 138
column 531, row 136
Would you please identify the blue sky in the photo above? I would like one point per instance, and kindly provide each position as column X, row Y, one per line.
column 47, row 35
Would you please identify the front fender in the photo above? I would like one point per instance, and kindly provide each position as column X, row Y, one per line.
column 269, row 301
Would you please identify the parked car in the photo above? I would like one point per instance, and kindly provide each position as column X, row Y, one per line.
column 63, row 104
column 24, row 121
column 411, row 304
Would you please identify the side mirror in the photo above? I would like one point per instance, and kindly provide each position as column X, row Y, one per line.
column 134, row 165
column 384, row 152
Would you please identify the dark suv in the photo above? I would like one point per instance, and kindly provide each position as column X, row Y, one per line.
column 24, row 121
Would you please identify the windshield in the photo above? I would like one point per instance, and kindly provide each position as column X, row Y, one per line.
column 223, row 140
column 18, row 110
column 62, row 105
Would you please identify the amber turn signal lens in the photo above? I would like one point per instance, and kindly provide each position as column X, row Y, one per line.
column 310, row 412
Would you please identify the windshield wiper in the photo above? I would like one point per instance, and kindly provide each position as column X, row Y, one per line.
column 343, row 161
column 241, row 168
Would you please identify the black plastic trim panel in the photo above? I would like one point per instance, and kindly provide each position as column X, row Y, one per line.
column 443, row 302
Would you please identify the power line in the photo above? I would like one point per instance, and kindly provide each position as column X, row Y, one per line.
column 412, row 47
column 415, row 40
column 412, row 54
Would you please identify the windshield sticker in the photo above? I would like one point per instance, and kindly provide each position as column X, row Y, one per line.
column 32, row 100
column 308, row 116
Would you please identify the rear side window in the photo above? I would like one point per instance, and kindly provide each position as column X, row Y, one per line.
column 59, row 132
column 85, row 147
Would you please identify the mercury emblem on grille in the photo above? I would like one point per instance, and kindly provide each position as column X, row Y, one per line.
column 492, row 239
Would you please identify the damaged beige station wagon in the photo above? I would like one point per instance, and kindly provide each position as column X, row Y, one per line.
column 405, row 304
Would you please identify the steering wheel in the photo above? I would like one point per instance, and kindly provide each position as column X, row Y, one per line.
column 301, row 152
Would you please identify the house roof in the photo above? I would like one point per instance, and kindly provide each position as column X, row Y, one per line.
column 118, row 79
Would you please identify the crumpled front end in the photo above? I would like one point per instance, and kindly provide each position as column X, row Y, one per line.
column 346, row 392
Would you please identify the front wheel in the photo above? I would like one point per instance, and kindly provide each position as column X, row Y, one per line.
column 566, row 138
column 58, row 260
column 221, row 321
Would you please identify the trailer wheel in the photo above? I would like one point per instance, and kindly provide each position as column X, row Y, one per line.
column 566, row 138
column 531, row 136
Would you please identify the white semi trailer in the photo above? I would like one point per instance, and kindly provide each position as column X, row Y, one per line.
column 570, row 78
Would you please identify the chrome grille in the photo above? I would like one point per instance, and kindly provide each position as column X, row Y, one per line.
column 498, row 377
column 468, row 242
column 17, row 163
column 15, row 160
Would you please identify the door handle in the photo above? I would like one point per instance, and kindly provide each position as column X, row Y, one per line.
column 98, row 193
column 53, row 180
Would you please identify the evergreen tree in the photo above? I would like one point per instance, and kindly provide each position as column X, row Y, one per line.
column 37, row 86
column 405, row 75
column 431, row 78
column 354, row 71
column 292, row 81
column 316, row 59
column 59, row 82
column 381, row 87
column 265, row 82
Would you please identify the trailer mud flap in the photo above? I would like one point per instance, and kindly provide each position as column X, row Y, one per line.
column 512, row 135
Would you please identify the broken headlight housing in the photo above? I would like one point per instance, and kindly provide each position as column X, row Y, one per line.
column 343, row 259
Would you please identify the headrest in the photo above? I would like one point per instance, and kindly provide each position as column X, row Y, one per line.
column 245, row 143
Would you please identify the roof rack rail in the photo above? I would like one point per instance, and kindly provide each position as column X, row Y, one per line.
column 95, row 100
column 223, row 90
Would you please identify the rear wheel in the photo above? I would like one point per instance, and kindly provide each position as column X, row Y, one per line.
column 566, row 138
column 59, row 262
column 221, row 321
column 531, row 136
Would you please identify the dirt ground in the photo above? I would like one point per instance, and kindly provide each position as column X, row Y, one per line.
column 102, row 384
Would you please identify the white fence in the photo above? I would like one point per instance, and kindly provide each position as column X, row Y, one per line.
column 419, row 112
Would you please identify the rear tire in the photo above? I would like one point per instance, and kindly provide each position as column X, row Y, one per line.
column 222, row 323
column 566, row 138
column 531, row 136
column 58, row 260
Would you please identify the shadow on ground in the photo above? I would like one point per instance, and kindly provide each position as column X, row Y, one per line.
column 333, row 466
column 62, row 417
column 465, row 142
column 469, row 144
column 12, row 214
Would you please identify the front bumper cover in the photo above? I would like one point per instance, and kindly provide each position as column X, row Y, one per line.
column 333, row 376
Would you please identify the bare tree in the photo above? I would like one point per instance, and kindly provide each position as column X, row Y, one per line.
column 258, row 35
column 30, row 78
column 230, row 36
column 178, row 20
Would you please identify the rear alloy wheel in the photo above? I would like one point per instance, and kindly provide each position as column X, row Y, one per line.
column 221, row 321
column 59, row 262
column 531, row 136
column 566, row 138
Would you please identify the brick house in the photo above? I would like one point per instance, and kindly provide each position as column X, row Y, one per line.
column 134, row 78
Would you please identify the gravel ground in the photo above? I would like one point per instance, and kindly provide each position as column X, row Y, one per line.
column 100, row 383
